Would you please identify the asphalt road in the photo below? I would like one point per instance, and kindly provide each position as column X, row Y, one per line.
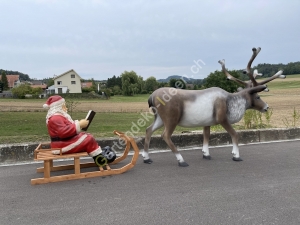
column 263, row 189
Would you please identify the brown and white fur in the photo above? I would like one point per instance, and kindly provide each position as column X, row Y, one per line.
column 202, row 108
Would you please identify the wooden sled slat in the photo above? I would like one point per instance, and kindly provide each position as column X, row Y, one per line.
column 48, row 157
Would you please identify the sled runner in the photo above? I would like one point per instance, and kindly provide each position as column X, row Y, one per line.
column 45, row 154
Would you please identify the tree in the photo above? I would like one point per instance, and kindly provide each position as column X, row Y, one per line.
column 141, row 84
column 117, row 90
column 111, row 82
column 151, row 84
column 177, row 83
column 49, row 81
column 4, row 80
column 129, row 83
column 22, row 76
column 94, row 85
column 36, row 91
column 218, row 79
column 22, row 90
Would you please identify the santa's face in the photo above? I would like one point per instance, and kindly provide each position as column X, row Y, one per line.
column 64, row 108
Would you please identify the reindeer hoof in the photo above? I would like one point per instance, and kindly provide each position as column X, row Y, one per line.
column 183, row 164
column 148, row 161
column 207, row 157
column 236, row 159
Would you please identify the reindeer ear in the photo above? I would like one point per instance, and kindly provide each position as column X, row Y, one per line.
column 256, row 89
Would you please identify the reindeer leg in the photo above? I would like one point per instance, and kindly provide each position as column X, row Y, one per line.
column 145, row 153
column 205, row 149
column 167, row 138
column 149, row 131
column 234, row 136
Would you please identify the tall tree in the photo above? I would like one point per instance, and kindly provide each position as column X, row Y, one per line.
column 151, row 84
column 177, row 83
column 141, row 84
column 218, row 79
column 49, row 81
column 129, row 83
column 4, row 80
column 111, row 82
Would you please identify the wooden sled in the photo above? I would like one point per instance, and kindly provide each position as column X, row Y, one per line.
column 46, row 155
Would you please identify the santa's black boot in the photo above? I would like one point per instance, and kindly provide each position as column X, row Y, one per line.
column 109, row 154
column 100, row 160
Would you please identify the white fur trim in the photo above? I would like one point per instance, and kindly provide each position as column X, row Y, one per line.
column 45, row 106
column 71, row 146
column 95, row 152
column 78, row 129
column 59, row 102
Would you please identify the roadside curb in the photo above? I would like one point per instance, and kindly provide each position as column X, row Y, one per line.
column 23, row 152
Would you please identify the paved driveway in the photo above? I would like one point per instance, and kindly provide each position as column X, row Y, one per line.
column 263, row 189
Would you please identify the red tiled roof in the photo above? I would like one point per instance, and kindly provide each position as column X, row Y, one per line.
column 43, row 86
column 86, row 85
column 11, row 79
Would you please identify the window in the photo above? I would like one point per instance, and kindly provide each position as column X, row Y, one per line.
column 73, row 82
column 59, row 83
column 72, row 75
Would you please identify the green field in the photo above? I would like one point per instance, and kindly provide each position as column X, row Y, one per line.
column 23, row 126
column 18, row 127
column 291, row 81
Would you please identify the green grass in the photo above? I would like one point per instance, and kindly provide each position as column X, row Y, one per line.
column 116, row 98
column 19, row 127
column 292, row 81
column 136, row 98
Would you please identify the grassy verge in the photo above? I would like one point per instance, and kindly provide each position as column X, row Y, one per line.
column 23, row 126
column 19, row 127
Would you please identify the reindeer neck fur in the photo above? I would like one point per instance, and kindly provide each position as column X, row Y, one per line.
column 237, row 104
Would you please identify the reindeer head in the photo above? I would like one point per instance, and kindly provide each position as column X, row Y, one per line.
column 253, row 99
column 252, row 75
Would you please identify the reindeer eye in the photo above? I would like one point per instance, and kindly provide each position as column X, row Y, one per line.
column 257, row 97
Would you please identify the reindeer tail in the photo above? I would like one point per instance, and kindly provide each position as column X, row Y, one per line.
column 150, row 101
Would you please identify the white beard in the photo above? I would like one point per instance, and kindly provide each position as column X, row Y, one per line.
column 58, row 110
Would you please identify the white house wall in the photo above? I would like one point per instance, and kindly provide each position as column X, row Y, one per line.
column 64, row 90
column 66, row 80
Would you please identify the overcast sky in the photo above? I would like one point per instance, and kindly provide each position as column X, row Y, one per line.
column 102, row 38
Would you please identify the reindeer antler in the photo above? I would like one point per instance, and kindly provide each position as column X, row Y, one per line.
column 251, row 75
column 248, row 69
column 277, row 75
column 230, row 77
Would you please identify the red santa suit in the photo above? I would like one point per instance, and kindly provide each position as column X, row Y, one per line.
column 68, row 136
column 66, row 133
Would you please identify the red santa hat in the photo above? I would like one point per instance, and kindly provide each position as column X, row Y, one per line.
column 54, row 101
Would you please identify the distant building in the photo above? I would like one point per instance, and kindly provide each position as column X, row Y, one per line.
column 189, row 86
column 68, row 82
column 13, row 80
column 86, row 84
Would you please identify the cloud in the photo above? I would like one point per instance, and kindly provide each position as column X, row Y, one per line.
column 157, row 38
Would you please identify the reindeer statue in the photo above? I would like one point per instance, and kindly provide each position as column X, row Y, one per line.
column 204, row 108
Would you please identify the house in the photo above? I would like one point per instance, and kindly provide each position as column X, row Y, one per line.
column 13, row 80
column 68, row 82
column 86, row 84
column 190, row 86
column 37, row 84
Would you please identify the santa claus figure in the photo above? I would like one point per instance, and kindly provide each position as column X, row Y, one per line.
column 66, row 133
